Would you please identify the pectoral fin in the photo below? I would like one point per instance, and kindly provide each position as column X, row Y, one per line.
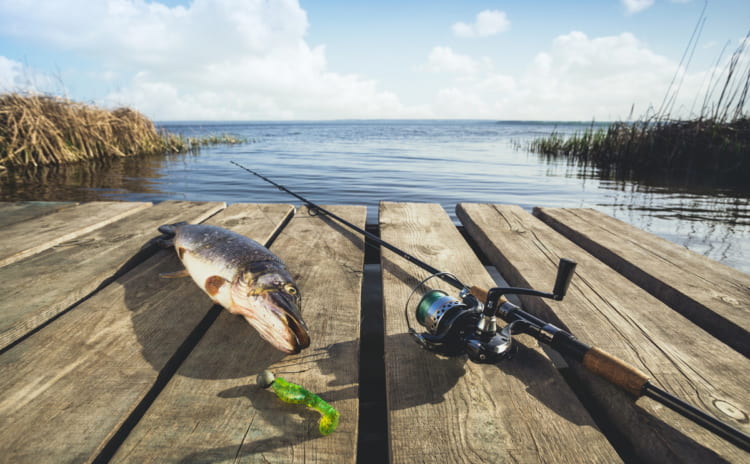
column 164, row 242
column 175, row 274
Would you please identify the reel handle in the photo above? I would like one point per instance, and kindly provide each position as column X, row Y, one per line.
column 565, row 271
column 481, row 294
column 593, row 359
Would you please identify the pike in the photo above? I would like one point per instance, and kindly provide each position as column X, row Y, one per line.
column 244, row 277
column 593, row 359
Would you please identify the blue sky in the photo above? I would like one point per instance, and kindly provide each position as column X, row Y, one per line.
column 287, row 59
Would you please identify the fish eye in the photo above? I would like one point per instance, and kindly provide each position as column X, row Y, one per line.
column 290, row 289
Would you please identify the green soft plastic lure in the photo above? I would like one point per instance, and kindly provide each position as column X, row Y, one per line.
column 296, row 394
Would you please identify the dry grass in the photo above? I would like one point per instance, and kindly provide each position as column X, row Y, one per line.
column 43, row 130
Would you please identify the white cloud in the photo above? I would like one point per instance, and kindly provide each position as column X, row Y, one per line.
column 10, row 73
column 134, row 31
column 487, row 23
column 248, row 59
column 443, row 59
column 635, row 6
column 17, row 77
column 222, row 59
column 576, row 78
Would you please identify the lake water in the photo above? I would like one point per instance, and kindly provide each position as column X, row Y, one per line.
column 363, row 162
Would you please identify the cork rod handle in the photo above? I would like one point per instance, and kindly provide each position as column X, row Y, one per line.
column 615, row 370
column 481, row 294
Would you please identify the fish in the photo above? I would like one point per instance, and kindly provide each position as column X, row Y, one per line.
column 244, row 277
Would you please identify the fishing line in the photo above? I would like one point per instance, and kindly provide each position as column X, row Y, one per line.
column 467, row 325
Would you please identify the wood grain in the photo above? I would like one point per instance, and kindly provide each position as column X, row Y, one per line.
column 213, row 411
column 68, row 388
column 451, row 410
column 42, row 286
column 19, row 211
column 606, row 310
column 714, row 296
column 28, row 237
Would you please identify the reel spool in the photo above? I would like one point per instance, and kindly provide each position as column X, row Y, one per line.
column 453, row 327
column 433, row 307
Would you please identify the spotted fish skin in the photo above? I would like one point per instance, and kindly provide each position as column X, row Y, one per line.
column 244, row 277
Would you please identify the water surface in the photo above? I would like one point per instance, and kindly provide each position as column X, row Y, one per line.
column 363, row 162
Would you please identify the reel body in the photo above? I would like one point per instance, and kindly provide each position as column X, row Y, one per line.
column 464, row 325
column 454, row 328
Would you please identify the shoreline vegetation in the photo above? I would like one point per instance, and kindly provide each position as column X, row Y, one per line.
column 703, row 151
column 41, row 130
column 712, row 149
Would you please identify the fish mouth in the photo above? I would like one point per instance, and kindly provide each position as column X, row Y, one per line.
column 289, row 310
column 277, row 318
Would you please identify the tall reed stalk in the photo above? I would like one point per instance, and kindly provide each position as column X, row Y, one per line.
column 714, row 146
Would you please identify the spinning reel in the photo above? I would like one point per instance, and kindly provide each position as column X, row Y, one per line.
column 467, row 325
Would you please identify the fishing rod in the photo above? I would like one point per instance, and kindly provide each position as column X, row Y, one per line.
column 468, row 325
column 323, row 212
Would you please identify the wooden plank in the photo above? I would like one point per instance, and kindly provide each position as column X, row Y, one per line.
column 26, row 238
column 212, row 410
column 451, row 410
column 19, row 211
column 42, row 286
column 714, row 296
column 606, row 310
column 68, row 388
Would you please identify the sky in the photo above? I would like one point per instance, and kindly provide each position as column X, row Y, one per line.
column 556, row 60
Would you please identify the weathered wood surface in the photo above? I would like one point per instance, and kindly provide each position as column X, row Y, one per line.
column 213, row 411
column 41, row 286
column 606, row 310
column 714, row 296
column 25, row 238
column 19, row 211
column 67, row 389
column 74, row 389
column 452, row 410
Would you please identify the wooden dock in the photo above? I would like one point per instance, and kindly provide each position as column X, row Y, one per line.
column 101, row 360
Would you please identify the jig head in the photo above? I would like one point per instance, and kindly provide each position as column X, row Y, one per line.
column 296, row 394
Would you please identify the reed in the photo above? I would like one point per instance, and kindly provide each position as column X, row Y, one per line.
column 216, row 139
column 712, row 148
column 40, row 130
column 702, row 150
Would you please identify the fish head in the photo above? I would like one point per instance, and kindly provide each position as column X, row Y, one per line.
column 270, row 301
column 168, row 234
